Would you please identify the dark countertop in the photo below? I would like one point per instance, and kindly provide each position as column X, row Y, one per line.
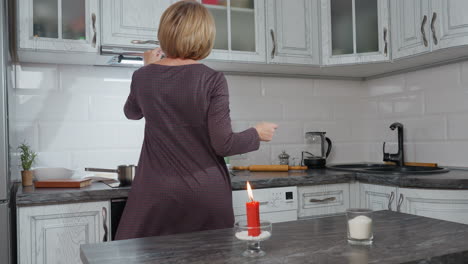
column 26, row 196
column 292, row 178
column 398, row 238
column 455, row 179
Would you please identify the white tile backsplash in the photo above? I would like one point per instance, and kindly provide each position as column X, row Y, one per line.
column 288, row 87
column 458, row 126
column 51, row 107
column 38, row 77
column 72, row 115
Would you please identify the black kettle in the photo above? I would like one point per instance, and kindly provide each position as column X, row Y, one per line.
column 315, row 156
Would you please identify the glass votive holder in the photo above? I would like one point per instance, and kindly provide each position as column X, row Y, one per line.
column 245, row 233
column 359, row 226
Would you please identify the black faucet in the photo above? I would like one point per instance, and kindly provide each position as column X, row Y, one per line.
column 399, row 157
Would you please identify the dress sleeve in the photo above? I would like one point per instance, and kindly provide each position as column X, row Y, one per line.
column 131, row 109
column 223, row 140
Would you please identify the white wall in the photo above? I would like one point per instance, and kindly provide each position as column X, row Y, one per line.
column 72, row 115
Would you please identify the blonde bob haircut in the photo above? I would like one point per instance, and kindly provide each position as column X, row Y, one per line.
column 187, row 30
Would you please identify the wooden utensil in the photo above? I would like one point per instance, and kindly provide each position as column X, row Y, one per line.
column 419, row 164
column 269, row 168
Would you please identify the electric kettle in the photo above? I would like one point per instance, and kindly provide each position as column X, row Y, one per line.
column 315, row 155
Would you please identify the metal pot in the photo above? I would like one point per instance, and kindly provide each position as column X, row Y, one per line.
column 125, row 173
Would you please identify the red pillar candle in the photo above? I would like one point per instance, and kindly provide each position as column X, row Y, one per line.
column 253, row 214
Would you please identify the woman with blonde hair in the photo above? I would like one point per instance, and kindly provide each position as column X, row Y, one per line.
column 182, row 183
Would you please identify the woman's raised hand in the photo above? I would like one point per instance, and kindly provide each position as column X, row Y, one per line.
column 266, row 130
column 152, row 56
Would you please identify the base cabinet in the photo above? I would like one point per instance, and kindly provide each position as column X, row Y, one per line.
column 323, row 200
column 378, row 197
column 53, row 233
column 449, row 205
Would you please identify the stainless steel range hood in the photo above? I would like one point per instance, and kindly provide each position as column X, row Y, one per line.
column 123, row 55
column 127, row 55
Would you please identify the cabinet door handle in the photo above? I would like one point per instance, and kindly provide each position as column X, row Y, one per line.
column 104, row 224
column 434, row 35
column 423, row 30
column 325, row 200
column 142, row 42
column 385, row 32
column 400, row 202
column 93, row 24
column 390, row 200
column 273, row 50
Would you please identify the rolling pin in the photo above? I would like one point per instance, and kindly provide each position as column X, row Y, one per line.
column 269, row 168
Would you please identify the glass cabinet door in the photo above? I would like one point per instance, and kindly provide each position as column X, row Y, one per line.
column 58, row 24
column 238, row 26
column 355, row 31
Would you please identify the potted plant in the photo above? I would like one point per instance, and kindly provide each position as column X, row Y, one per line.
column 27, row 160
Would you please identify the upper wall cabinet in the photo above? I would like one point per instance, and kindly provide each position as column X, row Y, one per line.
column 58, row 25
column 421, row 26
column 355, row 31
column 240, row 30
column 131, row 23
column 410, row 27
column 292, row 32
column 449, row 23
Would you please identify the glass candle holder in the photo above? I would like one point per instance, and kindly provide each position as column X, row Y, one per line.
column 253, row 242
column 359, row 226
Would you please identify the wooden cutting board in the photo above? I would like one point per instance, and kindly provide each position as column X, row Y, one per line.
column 63, row 183
column 269, row 168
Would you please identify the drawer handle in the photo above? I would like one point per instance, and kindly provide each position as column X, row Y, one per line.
column 325, row 200
column 104, row 224
column 263, row 203
column 400, row 202
column 273, row 39
column 390, row 200
column 93, row 24
column 385, row 41
column 423, row 31
column 434, row 35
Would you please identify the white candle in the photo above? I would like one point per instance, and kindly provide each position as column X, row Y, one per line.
column 360, row 227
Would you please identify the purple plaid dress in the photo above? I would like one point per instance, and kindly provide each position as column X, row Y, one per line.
column 182, row 184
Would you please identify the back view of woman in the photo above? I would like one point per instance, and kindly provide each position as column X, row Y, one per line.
column 182, row 183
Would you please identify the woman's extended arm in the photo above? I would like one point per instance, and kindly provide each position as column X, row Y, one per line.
column 223, row 140
column 131, row 109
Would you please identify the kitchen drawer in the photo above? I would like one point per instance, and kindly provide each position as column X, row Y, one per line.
column 323, row 199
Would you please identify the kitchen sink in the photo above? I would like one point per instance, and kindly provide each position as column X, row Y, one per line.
column 387, row 169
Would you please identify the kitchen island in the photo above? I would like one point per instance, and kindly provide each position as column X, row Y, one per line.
column 399, row 238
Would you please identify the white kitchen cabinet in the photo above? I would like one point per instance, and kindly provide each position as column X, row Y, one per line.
column 240, row 30
column 449, row 205
column 378, row 197
column 53, row 233
column 421, row 26
column 321, row 200
column 355, row 31
column 240, row 26
column 411, row 33
column 58, row 25
column 449, row 23
column 293, row 32
column 125, row 21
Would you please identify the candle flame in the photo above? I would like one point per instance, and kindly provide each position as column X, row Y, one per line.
column 249, row 191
